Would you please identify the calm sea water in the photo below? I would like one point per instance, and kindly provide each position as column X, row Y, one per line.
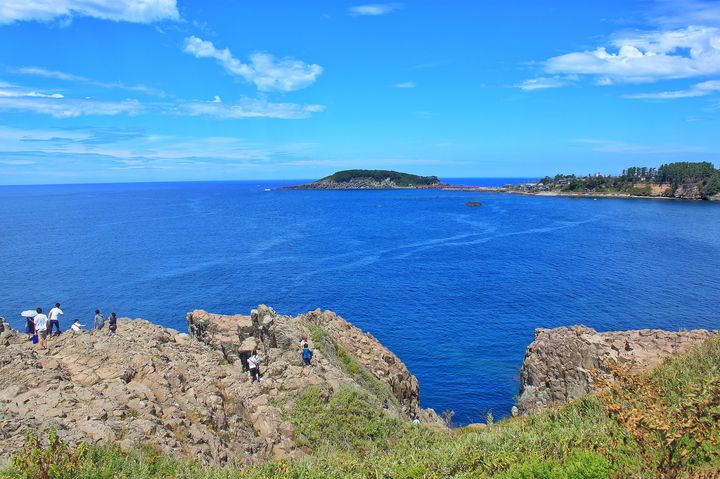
column 456, row 292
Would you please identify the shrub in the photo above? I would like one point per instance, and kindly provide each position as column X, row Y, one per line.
column 54, row 461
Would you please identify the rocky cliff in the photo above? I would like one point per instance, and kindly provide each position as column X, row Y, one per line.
column 188, row 395
column 558, row 364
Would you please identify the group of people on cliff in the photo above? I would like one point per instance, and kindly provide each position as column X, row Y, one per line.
column 39, row 325
column 253, row 362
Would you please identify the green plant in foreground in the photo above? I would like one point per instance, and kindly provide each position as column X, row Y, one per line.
column 54, row 461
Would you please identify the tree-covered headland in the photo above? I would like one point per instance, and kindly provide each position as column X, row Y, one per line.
column 699, row 180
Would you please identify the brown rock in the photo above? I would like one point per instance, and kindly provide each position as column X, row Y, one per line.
column 558, row 365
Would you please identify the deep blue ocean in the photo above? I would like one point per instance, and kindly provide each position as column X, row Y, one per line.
column 456, row 292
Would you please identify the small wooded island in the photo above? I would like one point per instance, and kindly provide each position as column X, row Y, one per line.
column 370, row 180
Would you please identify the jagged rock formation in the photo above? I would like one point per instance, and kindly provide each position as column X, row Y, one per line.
column 187, row 395
column 272, row 334
column 558, row 365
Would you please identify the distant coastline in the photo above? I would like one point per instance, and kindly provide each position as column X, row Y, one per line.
column 682, row 180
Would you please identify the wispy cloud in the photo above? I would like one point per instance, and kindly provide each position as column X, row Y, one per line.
column 16, row 98
column 58, row 75
column 622, row 147
column 8, row 90
column 700, row 89
column 249, row 108
column 541, row 83
column 374, row 9
column 264, row 70
column 74, row 154
column 405, row 85
column 143, row 11
column 686, row 12
column 61, row 107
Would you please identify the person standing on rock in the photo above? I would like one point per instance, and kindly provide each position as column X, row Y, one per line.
column 112, row 322
column 254, row 365
column 99, row 321
column 306, row 354
column 30, row 325
column 41, row 325
column 54, row 316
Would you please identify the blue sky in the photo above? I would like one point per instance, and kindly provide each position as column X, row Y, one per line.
column 164, row 90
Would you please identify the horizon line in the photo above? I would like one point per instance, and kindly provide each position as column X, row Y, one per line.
column 236, row 181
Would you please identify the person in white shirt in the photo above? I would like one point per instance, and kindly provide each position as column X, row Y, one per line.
column 54, row 316
column 76, row 326
column 254, row 365
column 41, row 325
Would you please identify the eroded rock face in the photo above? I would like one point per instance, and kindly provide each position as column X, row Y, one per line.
column 278, row 338
column 558, row 365
column 188, row 395
column 144, row 384
column 376, row 358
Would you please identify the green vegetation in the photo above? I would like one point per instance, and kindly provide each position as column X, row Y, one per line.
column 701, row 178
column 336, row 354
column 660, row 424
column 400, row 179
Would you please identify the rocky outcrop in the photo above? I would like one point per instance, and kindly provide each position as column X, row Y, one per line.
column 186, row 394
column 274, row 335
column 375, row 357
column 144, row 384
column 354, row 184
column 559, row 364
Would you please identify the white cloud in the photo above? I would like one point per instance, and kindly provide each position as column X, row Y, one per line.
column 16, row 162
column 405, row 85
column 10, row 91
column 374, row 9
column 700, row 89
column 264, row 70
column 686, row 12
column 622, row 147
column 42, row 72
column 17, row 98
column 249, row 108
column 541, row 83
column 647, row 57
column 137, row 11
column 60, row 107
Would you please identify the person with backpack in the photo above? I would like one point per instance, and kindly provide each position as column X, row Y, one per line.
column 306, row 355
column 254, row 366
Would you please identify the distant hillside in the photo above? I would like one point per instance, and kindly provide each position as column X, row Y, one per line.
column 685, row 180
column 370, row 179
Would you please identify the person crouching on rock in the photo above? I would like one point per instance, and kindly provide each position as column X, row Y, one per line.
column 306, row 354
column 254, row 365
column 112, row 322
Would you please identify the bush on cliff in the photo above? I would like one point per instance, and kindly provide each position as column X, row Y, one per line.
column 349, row 419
